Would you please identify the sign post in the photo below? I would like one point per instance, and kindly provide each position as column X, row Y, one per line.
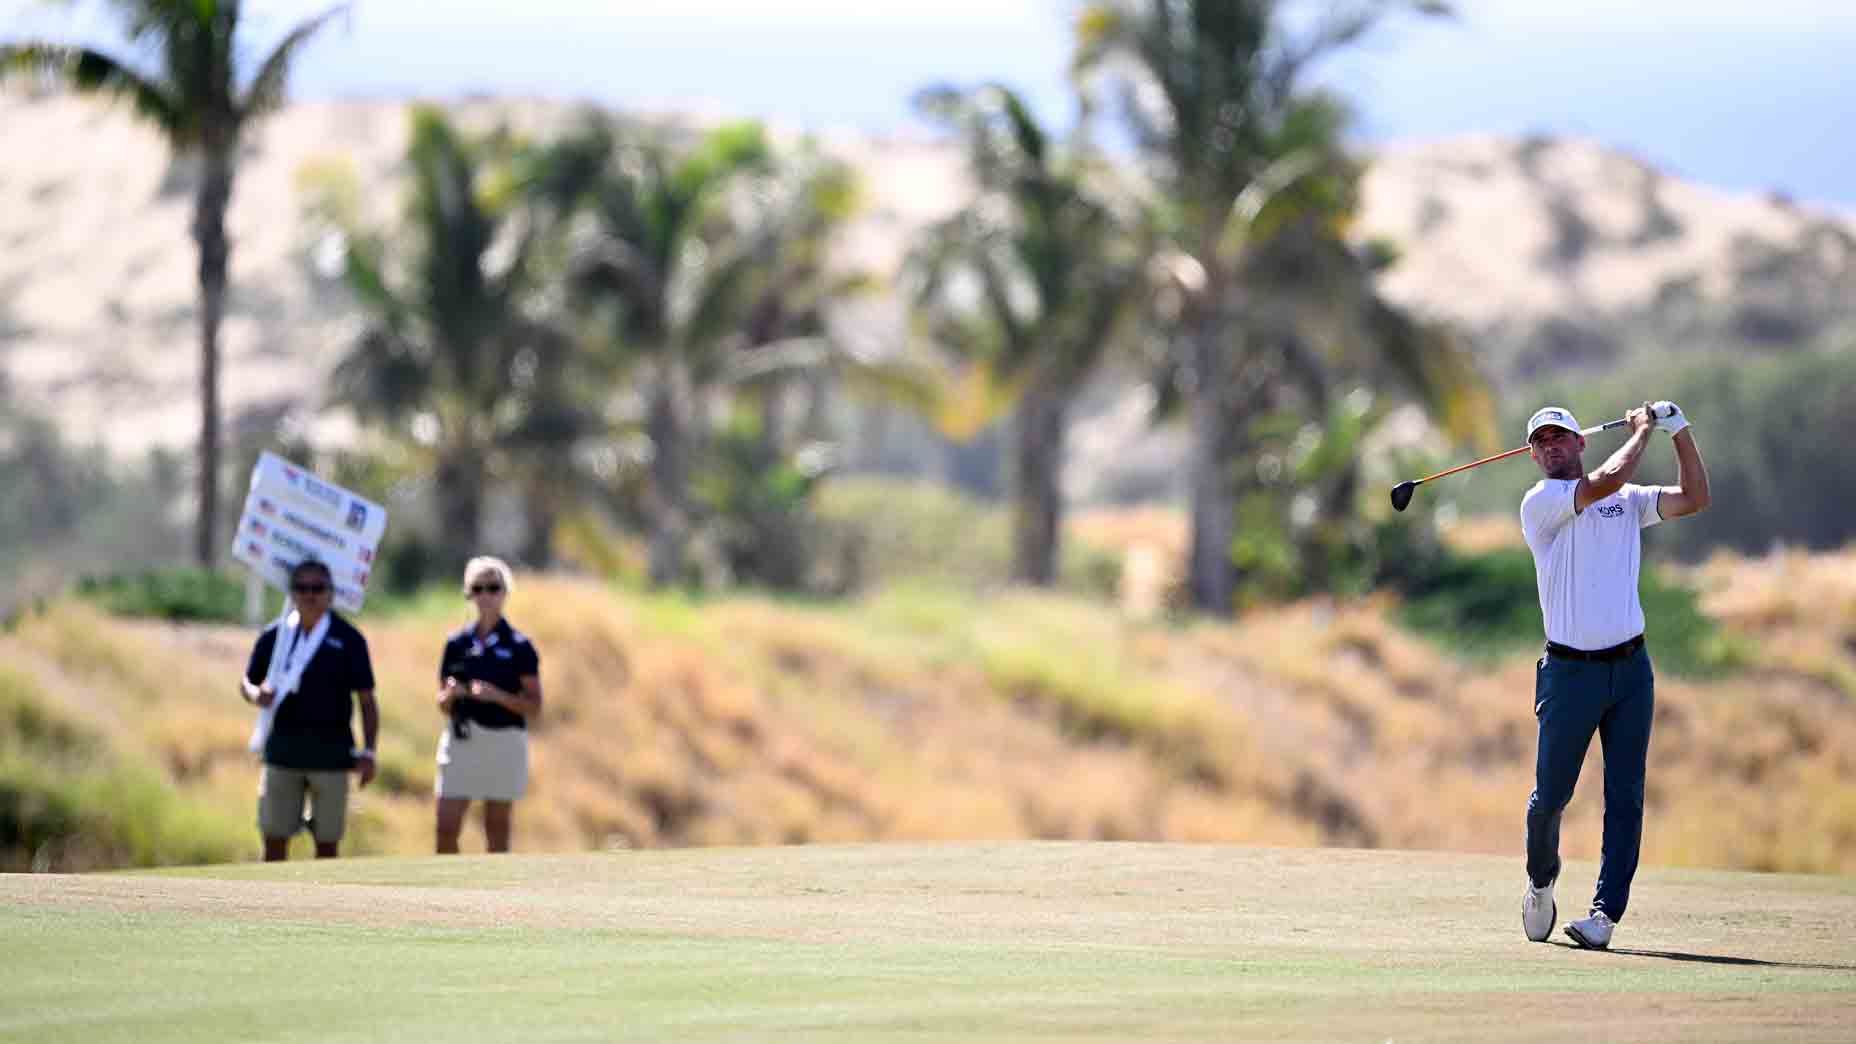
column 290, row 515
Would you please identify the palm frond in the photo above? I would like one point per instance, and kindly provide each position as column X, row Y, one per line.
column 1103, row 30
column 368, row 280
column 266, row 92
column 975, row 400
column 92, row 71
column 1441, row 372
column 1240, row 225
column 714, row 300
column 565, row 172
column 911, row 388
column 614, row 270
column 1026, row 134
column 779, row 359
column 721, row 155
column 383, row 377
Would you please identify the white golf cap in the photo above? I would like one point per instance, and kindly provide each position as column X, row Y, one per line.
column 1552, row 417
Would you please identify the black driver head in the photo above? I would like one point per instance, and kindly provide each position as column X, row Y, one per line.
column 1401, row 494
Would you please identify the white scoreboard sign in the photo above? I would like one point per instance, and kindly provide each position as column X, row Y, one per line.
column 291, row 515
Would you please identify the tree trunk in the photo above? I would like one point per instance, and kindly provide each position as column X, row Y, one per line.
column 458, row 487
column 1212, row 576
column 773, row 418
column 209, row 233
column 543, row 499
column 1037, row 503
column 669, row 509
column 816, row 420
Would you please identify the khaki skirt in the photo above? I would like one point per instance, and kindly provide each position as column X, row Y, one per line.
column 489, row 765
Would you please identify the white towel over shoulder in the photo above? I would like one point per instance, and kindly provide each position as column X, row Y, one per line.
column 289, row 656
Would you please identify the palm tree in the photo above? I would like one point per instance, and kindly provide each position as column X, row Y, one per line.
column 1329, row 358
column 1208, row 88
column 661, row 267
column 801, row 205
column 1030, row 281
column 1317, row 322
column 457, row 357
column 195, row 94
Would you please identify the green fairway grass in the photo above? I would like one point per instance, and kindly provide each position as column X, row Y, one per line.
column 900, row 942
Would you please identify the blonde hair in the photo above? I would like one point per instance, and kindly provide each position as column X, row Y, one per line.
column 482, row 564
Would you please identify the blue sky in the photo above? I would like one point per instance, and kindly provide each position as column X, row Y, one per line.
column 1747, row 96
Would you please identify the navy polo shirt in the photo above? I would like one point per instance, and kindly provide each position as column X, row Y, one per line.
column 503, row 658
column 312, row 730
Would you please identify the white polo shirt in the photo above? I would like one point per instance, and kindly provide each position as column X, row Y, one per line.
column 1586, row 563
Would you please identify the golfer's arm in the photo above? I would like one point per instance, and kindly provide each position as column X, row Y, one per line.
column 1691, row 493
column 1613, row 473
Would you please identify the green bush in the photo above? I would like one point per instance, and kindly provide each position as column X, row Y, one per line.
column 1304, row 525
column 177, row 593
column 64, row 509
column 758, row 508
column 899, row 530
column 885, row 531
column 1479, row 605
column 1488, row 605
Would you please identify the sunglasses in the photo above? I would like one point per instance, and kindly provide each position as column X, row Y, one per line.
column 486, row 589
column 310, row 588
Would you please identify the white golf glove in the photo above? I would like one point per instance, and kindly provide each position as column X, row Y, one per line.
column 1669, row 416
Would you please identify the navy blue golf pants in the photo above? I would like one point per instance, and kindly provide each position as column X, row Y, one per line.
column 1572, row 700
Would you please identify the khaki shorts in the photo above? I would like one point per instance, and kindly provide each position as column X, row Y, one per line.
column 280, row 803
column 490, row 765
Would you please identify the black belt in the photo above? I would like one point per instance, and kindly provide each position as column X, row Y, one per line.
column 1616, row 652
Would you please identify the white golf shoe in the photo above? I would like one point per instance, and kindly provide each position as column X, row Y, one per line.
column 1593, row 933
column 1538, row 912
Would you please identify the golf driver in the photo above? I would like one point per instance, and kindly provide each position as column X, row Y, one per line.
column 1401, row 493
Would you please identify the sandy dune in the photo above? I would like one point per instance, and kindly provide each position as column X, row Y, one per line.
column 97, row 266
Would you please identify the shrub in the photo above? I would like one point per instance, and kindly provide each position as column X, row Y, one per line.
column 884, row 531
column 69, row 803
column 176, row 593
column 759, row 507
column 900, row 530
column 1479, row 605
column 1488, row 604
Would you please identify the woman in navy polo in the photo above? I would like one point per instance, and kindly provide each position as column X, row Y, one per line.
column 490, row 688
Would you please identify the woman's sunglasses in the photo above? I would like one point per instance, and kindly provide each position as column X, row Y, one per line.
column 486, row 589
column 310, row 588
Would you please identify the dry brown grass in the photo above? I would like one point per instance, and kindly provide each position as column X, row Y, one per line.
column 923, row 715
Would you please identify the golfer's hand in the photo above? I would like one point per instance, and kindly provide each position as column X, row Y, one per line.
column 1640, row 419
column 1674, row 422
column 365, row 766
column 264, row 695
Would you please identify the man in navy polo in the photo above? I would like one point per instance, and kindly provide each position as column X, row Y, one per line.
column 306, row 674
column 1585, row 531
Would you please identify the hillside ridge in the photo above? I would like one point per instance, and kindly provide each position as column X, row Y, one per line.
column 915, row 715
column 1533, row 245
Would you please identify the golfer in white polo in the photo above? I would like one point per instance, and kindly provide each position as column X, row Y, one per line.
column 1585, row 530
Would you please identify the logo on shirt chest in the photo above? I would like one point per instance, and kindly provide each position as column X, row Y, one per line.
column 1611, row 510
